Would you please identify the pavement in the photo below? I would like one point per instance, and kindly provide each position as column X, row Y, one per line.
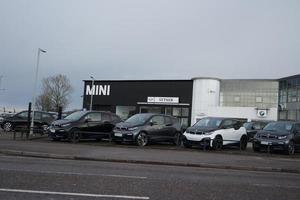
column 43, row 148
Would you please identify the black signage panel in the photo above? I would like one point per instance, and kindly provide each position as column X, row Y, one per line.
column 125, row 93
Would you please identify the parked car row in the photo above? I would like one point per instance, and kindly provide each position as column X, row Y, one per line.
column 144, row 128
column 19, row 121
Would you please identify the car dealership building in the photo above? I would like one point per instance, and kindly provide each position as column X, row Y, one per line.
column 190, row 100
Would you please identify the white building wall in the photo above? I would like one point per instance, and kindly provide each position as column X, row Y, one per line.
column 206, row 102
column 242, row 112
column 206, row 95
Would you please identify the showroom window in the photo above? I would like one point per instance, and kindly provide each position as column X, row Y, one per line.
column 151, row 109
column 292, row 95
column 237, row 99
column 258, row 99
column 292, row 115
column 124, row 112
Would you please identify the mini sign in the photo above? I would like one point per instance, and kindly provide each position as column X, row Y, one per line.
column 98, row 90
column 163, row 100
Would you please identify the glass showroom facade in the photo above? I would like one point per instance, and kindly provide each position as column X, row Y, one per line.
column 289, row 98
column 262, row 94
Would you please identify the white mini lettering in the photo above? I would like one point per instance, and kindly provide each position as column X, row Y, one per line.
column 102, row 90
column 108, row 90
column 98, row 90
column 89, row 90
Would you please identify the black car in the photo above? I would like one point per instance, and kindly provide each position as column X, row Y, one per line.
column 281, row 135
column 19, row 121
column 3, row 116
column 84, row 125
column 145, row 127
column 254, row 126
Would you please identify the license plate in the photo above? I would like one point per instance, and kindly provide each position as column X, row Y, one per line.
column 52, row 130
column 266, row 143
column 118, row 134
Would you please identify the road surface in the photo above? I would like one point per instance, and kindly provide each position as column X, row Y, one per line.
column 35, row 178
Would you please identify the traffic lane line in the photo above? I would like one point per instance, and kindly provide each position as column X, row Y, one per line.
column 77, row 174
column 73, row 194
column 279, row 186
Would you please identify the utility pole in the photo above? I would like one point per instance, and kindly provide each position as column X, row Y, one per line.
column 1, row 89
column 35, row 85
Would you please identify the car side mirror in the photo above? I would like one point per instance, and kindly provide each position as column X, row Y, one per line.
column 87, row 120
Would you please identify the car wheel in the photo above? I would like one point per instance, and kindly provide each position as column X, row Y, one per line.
column 75, row 136
column 186, row 144
column 243, row 142
column 177, row 139
column 255, row 148
column 290, row 148
column 142, row 139
column 118, row 142
column 217, row 143
column 7, row 126
column 55, row 139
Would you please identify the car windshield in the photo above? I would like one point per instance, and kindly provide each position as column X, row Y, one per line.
column 278, row 126
column 138, row 119
column 209, row 122
column 75, row 116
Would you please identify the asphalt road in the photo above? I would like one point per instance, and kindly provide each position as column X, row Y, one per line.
column 33, row 178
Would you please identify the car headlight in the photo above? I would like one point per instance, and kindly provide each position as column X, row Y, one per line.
column 65, row 125
column 133, row 128
column 208, row 133
column 282, row 137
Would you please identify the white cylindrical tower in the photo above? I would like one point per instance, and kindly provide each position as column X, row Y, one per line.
column 206, row 94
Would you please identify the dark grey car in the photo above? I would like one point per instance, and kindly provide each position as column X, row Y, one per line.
column 145, row 127
column 281, row 135
column 254, row 126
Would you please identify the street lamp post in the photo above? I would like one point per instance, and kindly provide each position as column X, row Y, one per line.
column 91, row 103
column 34, row 91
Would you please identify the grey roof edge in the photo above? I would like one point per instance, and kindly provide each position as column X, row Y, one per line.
column 203, row 77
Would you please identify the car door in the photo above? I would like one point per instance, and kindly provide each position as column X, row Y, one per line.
column 38, row 123
column 297, row 135
column 155, row 129
column 93, row 122
column 107, row 123
column 19, row 121
column 228, row 131
column 169, row 129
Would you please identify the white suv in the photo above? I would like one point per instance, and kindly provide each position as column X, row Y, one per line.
column 216, row 132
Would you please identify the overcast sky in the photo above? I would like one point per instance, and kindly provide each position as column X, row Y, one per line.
column 144, row 39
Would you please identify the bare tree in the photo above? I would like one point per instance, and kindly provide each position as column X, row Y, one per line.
column 56, row 91
column 43, row 102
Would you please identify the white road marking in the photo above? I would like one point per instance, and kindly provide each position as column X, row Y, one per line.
column 73, row 194
column 279, row 186
column 78, row 174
